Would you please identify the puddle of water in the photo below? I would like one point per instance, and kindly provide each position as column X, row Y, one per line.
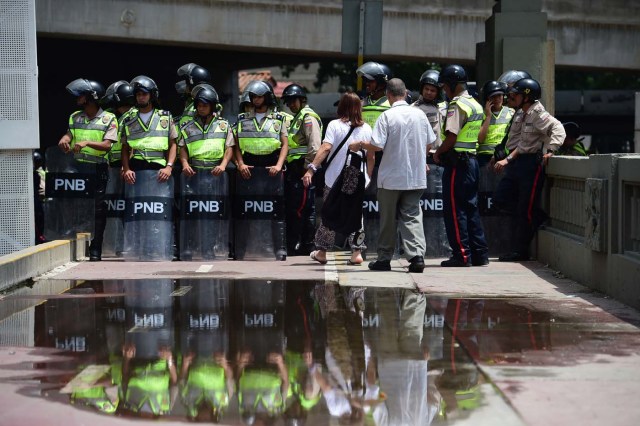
column 253, row 352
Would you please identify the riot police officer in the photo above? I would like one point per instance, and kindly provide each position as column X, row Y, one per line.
column 119, row 97
column 305, row 138
column 539, row 136
column 261, row 151
column 149, row 149
column 190, row 76
column 375, row 76
column 428, row 103
column 496, row 119
column 206, row 148
column 90, row 135
column 460, row 177
column 572, row 145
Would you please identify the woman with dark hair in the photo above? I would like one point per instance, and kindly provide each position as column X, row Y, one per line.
column 339, row 131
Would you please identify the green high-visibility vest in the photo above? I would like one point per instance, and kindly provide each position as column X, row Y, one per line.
column 257, row 140
column 92, row 130
column 467, row 139
column 205, row 146
column 188, row 113
column 260, row 386
column 296, row 150
column 497, row 129
column 371, row 110
column 115, row 154
column 149, row 143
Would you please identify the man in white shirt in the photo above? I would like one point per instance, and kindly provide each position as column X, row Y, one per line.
column 403, row 133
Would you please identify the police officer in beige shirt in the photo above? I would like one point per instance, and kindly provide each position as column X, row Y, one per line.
column 538, row 135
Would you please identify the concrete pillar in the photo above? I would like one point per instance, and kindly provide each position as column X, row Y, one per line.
column 516, row 38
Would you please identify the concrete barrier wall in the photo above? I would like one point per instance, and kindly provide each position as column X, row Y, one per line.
column 593, row 235
column 33, row 261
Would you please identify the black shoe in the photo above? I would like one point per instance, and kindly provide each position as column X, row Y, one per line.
column 416, row 264
column 480, row 262
column 454, row 263
column 380, row 265
column 514, row 257
column 95, row 257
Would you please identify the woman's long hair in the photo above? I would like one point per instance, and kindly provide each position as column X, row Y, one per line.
column 350, row 109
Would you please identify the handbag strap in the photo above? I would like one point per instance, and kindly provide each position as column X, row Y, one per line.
column 339, row 146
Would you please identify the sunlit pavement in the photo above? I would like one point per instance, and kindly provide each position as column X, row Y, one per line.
column 509, row 343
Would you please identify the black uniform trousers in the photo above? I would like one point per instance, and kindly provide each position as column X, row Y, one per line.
column 518, row 193
column 300, row 210
column 461, row 214
column 100, row 189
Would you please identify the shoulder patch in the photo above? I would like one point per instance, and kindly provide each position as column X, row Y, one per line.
column 277, row 126
column 164, row 123
column 105, row 119
column 544, row 115
column 241, row 116
column 224, row 125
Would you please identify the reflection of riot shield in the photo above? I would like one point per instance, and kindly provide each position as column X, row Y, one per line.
column 205, row 210
column 260, row 313
column 148, row 218
column 371, row 215
column 115, row 316
column 259, row 216
column 70, row 324
column 434, row 327
column 496, row 224
column 433, row 220
column 70, row 195
column 114, row 231
column 149, row 316
column 205, row 318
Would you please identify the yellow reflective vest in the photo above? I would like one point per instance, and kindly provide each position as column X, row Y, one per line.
column 149, row 143
column 92, row 130
column 205, row 146
column 297, row 151
column 467, row 139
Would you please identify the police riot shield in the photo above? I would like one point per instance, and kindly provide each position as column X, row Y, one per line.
column 113, row 240
column 69, row 190
column 205, row 213
column 149, row 317
column 115, row 323
column 148, row 226
column 205, row 318
column 496, row 224
column 432, row 214
column 259, row 213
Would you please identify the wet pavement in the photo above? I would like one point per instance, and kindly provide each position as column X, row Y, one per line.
column 286, row 342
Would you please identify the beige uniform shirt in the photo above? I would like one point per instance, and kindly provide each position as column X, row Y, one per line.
column 540, row 131
column 456, row 117
column 311, row 136
column 515, row 131
column 434, row 116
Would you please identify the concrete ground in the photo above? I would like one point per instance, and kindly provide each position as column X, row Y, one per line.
column 588, row 374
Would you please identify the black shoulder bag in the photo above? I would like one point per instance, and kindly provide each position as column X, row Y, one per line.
column 318, row 176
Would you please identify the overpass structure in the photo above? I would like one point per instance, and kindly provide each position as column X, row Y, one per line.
column 587, row 34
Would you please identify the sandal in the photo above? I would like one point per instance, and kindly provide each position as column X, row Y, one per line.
column 313, row 257
column 350, row 263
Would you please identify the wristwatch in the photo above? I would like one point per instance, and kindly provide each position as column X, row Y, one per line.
column 170, row 164
column 509, row 158
column 313, row 167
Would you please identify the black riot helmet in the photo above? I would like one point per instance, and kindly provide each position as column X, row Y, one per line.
column 145, row 84
column 261, row 88
column 527, row 87
column 375, row 71
column 190, row 75
column 38, row 161
column 205, row 93
column 293, row 91
column 81, row 86
column 451, row 76
column 429, row 77
column 118, row 94
column 491, row 88
column 511, row 76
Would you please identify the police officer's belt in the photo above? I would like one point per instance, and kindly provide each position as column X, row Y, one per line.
column 205, row 163
column 81, row 156
column 148, row 154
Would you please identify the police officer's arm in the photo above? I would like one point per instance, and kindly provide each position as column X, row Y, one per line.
column 128, row 175
column 184, row 159
column 278, row 360
column 454, row 122
column 245, row 171
column 321, row 155
column 313, row 135
column 110, row 137
column 554, row 134
column 165, row 173
column 284, row 150
column 64, row 142
column 484, row 129
column 228, row 155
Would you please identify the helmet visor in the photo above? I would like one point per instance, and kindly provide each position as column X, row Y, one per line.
column 79, row 87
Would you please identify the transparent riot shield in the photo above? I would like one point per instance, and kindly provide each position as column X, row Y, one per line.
column 113, row 240
column 205, row 314
column 259, row 216
column 148, row 226
column 496, row 224
column 433, row 218
column 69, row 207
column 205, row 213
